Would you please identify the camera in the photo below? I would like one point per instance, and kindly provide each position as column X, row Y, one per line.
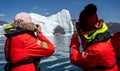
column 77, row 27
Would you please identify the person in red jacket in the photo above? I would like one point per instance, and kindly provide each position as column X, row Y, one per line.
column 98, row 53
column 116, row 44
column 25, row 44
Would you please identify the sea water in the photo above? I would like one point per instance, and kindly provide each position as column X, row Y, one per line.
column 59, row 61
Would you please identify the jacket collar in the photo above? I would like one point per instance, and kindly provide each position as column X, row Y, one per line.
column 93, row 35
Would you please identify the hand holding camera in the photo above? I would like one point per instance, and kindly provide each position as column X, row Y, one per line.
column 76, row 29
column 38, row 28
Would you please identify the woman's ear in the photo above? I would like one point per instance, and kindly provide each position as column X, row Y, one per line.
column 99, row 24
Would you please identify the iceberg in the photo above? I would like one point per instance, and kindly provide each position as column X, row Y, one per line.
column 49, row 24
column 2, row 32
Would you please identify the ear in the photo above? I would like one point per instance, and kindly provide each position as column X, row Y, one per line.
column 98, row 25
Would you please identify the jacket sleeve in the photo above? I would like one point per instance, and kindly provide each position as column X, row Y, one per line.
column 46, row 44
column 116, row 44
column 43, row 47
column 83, row 59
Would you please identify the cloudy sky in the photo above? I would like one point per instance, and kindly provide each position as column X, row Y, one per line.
column 109, row 10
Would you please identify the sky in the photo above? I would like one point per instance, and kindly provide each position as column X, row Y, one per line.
column 109, row 10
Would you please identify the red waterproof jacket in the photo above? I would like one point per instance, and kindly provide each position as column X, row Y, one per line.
column 97, row 57
column 116, row 44
column 24, row 46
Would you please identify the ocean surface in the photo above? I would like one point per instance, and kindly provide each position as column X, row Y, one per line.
column 59, row 61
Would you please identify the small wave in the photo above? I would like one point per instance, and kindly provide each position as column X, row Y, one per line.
column 52, row 58
column 58, row 64
column 3, row 62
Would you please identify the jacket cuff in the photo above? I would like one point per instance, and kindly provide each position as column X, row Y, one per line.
column 74, row 43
